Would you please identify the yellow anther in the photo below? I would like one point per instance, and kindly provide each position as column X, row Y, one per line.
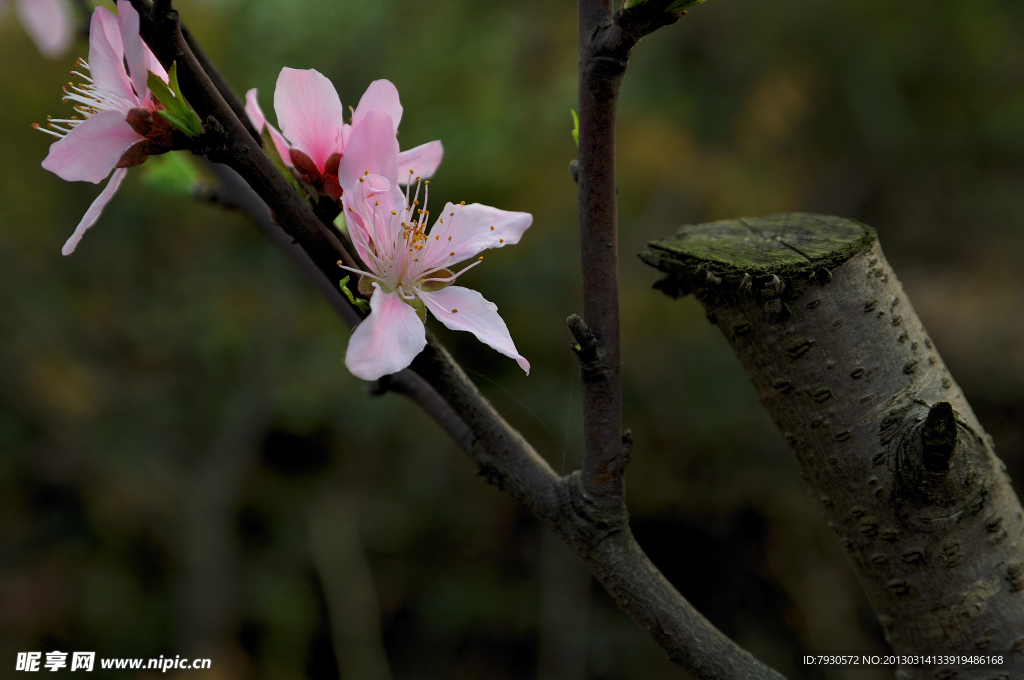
column 455, row 311
column 451, row 254
column 492, row 228
column 501, row 240
column 462, row 203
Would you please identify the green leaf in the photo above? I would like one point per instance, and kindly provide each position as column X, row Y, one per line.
column 676, row 8
column 360, row 304
column 681, row 6
column 173, row 173
column 270, row 149
column 176, row 110
column 575, row 127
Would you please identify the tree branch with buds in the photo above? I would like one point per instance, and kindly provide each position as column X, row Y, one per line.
column 587, row 512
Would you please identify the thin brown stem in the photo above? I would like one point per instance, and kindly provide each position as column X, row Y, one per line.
column 232, row 144
column 605, row 40
column 599, row 81
column 218, row 80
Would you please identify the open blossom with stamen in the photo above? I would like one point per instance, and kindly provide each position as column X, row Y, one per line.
column 411, row 272
column 314, row 135
column 50, row 24
column 118, row 127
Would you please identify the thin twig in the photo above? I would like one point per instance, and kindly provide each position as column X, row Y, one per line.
column 605, row 40
column 232, row 143
column 220, row 83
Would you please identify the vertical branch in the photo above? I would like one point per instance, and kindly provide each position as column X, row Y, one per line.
column 605, row 39
column 599, row 81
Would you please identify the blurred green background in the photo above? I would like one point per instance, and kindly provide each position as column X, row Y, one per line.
column 187, row 468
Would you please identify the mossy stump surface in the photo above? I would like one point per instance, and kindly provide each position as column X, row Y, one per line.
column 787, row 245
column 899, row 464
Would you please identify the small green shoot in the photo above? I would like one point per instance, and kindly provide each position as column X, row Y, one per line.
column 359, row 303
column 270, row 149
column 173, row 173
column 176, row 110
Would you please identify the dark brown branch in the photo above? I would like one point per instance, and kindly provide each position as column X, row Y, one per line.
column 218, row 80
column 232, row 143
column 602, row 398
column 605, row 40
column 412, row 385
column 598, row 533
column 233, row 192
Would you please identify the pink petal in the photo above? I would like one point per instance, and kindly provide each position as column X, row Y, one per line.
column 372, row 147
column 368, row 213
column 92, row 149
column 476, row 315
column 49, row 23
column 386, row 341
column 473, row 229
column 259, row 121
column 134, row 48
column 381, row 95
column 153, row 64
column 309, row 113
column 106, row 60
column 422, row 161
column 94, row 211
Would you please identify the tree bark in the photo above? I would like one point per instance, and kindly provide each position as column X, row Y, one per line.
column 906, row 476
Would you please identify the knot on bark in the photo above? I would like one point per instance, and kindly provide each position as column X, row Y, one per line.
column 939, row 437
column 585, row 519
column 645, row 18
column 939, row 463
column 593, row 367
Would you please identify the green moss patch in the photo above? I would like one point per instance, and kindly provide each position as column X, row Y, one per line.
column 787, row 245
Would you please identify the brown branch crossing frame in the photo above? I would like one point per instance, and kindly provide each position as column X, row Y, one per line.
column 587, row 509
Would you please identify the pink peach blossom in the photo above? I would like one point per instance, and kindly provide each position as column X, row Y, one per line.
column 90, row 147
column 314, row 135
column 410, row 268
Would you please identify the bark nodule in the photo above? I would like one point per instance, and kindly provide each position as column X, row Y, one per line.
column 904, row 473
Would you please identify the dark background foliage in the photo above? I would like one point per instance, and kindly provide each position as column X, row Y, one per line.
column 176, row 422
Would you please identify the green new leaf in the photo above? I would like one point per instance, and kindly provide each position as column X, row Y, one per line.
column 360, row 304
column 677, row 7
column 681, row 6
column 172, row 173
column 270, row 149
column 176, row 110
column 575, row 127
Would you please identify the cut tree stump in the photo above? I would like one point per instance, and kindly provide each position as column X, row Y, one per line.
column 906, row 476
